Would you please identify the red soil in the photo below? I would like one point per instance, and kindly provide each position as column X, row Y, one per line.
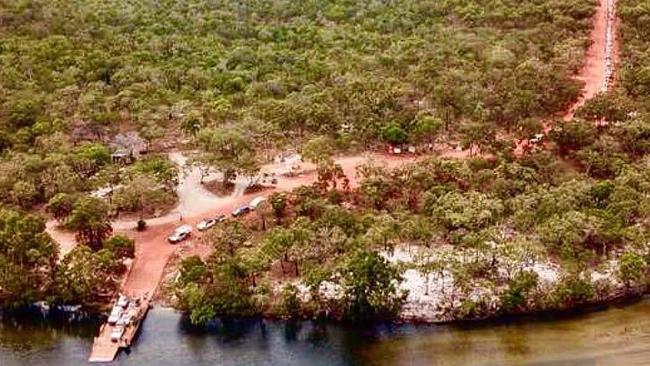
column 153, row 251
column 594, row 70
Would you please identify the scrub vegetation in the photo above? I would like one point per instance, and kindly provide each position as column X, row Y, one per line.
column 560, row 225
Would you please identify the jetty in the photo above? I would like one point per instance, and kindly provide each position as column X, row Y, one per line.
column 121, row 327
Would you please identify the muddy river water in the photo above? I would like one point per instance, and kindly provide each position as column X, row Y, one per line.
column 619, row 335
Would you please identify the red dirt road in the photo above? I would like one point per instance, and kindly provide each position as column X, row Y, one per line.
column 595, row 67
column 153, row 251
column 599, row 63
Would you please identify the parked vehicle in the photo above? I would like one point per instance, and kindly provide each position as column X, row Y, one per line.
column 241, row 211
column 115, row 315
column 256, row 202
column 207, row 223
column 181, row 233
column 117, row 333
column 537, row 138
column 123, row 301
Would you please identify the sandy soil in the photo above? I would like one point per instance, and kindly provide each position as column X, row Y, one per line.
column 152, row 249
column 195, row 202
column 64, row 238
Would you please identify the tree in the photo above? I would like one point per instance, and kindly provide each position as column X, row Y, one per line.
column 28, row 259
column 572, row 289
column 418, row 230
column 227, row 150
column 572, row 135
column 572, row 233
column 528, row 127
column 426, row 129
column 632, row 269
column 288, row 244
column 370, row 287
column 151, row 132
column 191, row 124
column 84, row 276
column 60, row 206
column 328, row 176
column 477, row 136
column 192, row 270
column 24, row 194
column 607, row 107
column 427, row 262
column 384, row 230
column 196, row 301
column 278, row 204
column 158, row 167
column 394, row 134
column 289, row 301
column 142, row 195
column 263, row 210
column 121, row 246
column 24, row 111
column 227, row 238
column 518, row 289
column 318, row 150
column 89, row 218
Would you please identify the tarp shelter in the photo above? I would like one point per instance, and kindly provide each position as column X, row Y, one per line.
column 256, row 202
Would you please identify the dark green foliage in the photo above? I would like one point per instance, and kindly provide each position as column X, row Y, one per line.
column 89, row 218
column 394, row 134
column 370, row 286
column 86, row 277
column 121, row 246
column 27, row 259
column 518, row 291
column 227, row 294
column 289, row 302
column 192, row 270
column 60, row 206
column 573, row 289
column 633, row 269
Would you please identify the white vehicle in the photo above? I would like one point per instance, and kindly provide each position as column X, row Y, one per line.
column 205, row 224
column 181, row 233
column 256, row 202
column 115, row 315
column 537, row 138
column 123, row 301
column 117, row 333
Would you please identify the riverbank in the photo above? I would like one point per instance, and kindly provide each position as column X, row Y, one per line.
column 614, row 336
column 442, row 299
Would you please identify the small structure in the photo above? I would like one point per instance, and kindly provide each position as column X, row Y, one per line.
column 256, row 202
column 127, row 147
column 122, row 157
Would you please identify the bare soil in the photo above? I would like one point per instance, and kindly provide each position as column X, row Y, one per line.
column 153, row 252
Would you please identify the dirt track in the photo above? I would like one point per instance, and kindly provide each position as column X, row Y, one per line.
column 597, row 71
column 594, row 71
column 152, row 250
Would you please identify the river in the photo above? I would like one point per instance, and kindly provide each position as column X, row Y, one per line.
column 616, row 336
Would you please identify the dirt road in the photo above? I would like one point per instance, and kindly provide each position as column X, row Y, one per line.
column 601, row 56
column 152, row 249
column 599, row 63
column 195, row 202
